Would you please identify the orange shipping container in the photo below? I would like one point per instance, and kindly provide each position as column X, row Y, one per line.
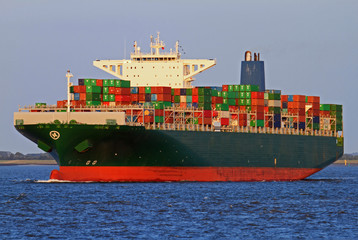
column 299, row 98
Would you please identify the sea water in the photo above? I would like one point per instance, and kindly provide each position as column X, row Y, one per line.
column 325, row 206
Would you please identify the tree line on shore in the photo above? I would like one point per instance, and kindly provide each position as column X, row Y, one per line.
column 19, row 156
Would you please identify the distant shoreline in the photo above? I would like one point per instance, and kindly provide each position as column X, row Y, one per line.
column 53, row 162
column 27, row 162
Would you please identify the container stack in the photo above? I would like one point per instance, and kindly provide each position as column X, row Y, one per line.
column 273, row 100
column 313, row 110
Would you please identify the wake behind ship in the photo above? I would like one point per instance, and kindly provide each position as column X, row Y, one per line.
column 151, row 124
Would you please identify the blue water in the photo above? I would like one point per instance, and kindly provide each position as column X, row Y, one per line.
column 323, row 207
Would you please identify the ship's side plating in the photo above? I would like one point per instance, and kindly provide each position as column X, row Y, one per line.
column 125, row 153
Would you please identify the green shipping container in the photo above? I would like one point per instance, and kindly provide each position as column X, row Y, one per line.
column 39, row 105
column 236, row 88
column 105, row 90
column 260, row 123
column 189, row 91
column 232, row 102
column 275, row 110
column 242, row 94
column 93, row 103
column 339, row 127
column 204, row 99
column 93, row 89
column 339, row 108
column 205, row 106
column 148, row 90
column 87, row 82
column 159, row 105
column 231, row 95
column 220, row 94
column 189, row 99
column 224, row 107
column 214, row 93
column 93, row 97
column 225, row 94
column 159, row 119
column 248, row 95
column 93, row 82
column 332, row 107
column 177, row 99
column 274, row 96
column 204, row 91
column 325, row 107
column 71, row 89
column 242, row 88
column 105, row 98
column 252, row 88
column 248, row 102
column 112, row 98
column 231, row 88
column 248, row 108
column 242, row 101
column 225, row 101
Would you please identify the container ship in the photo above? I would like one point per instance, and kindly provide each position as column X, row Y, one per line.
column 150, row 124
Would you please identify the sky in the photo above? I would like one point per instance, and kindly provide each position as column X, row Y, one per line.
column 309, row 48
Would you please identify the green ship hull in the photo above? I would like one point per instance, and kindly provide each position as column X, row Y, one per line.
column 126, row 153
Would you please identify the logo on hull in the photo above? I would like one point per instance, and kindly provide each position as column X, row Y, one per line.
column 54, row 135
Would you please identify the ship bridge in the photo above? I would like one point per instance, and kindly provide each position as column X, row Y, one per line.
column 156, row 68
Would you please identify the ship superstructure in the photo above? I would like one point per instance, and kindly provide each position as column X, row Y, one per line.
column 156, row 68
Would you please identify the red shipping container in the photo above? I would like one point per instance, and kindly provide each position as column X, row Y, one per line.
column 301, row 111
column 177, row 91
column 169, row 120
column 313, row 99
column 198, row 114
column 164, row 97
column 225, row 121
column 225, row 88
column 260, row 115
column 105, row 103
column 141, row 97
column 99, row 82
column 111, row 90
column 60, row 104
column 257, row 102
column 234, row 116
column 233, row 108
column 161, row 90
column 315, row 106
column 242, row 108
column 215, row 113
column 207, row 113
column 315, row 112
column 122, row 91
column 195, row 92
column 284, row 98
column 257, row 95
column 266, row 109
column 141, row 90
column 292, row 111
column 325, row 113
column 183, row 105
column 195, row 98
column 83, row 96
column 302, row 118
column 120, row 103
column 134, row 97
column 122, row 98
column 208, row 121
column 299, row 98
column 243, row 123
column 159, row 112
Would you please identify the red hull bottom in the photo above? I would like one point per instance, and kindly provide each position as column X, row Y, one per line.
column 175, row 174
